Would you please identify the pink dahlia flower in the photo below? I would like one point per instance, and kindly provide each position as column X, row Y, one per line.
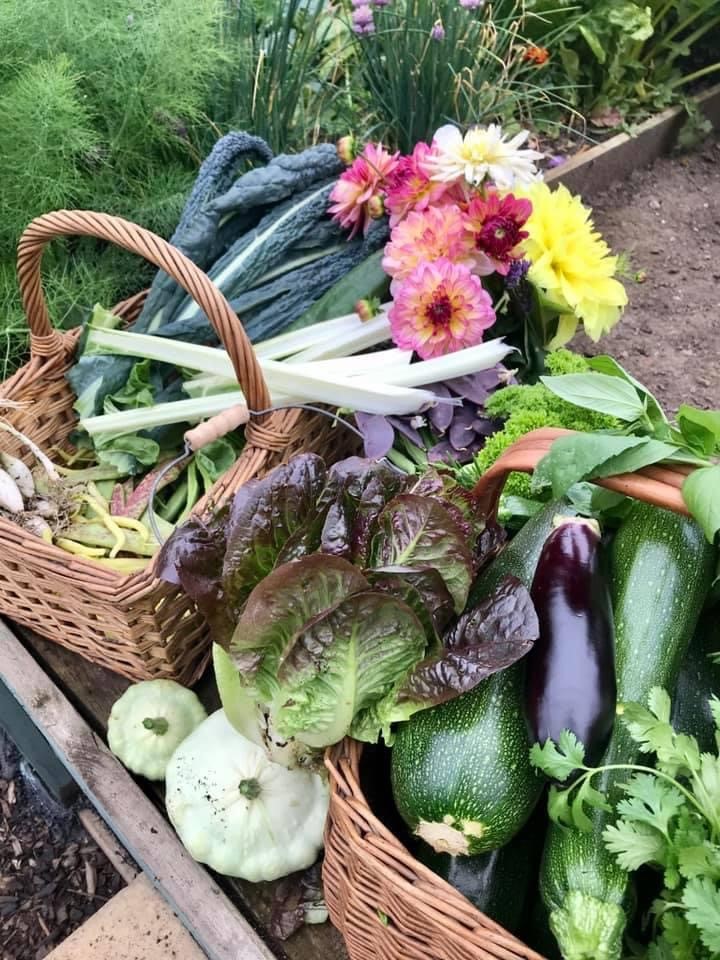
column 427, row 235
column 438, row 308
column 496, row 224
column 410, row 188
column 363, row 179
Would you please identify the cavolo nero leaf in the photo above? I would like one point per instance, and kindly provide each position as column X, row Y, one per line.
column 418, row 532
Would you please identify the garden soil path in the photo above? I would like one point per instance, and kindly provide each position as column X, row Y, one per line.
column 666, row 218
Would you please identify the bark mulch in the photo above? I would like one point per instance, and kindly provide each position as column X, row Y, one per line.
column 52, row 874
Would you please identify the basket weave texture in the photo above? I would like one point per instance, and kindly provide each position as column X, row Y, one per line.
column 135, row 625
column 386, row 904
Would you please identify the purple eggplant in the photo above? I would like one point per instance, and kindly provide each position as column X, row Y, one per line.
column 570, row 671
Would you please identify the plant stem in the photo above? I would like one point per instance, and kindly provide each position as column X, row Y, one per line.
column 704, row 72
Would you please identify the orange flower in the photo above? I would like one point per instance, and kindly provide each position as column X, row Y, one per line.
column 537, row 55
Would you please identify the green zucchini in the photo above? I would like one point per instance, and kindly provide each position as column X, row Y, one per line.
column 661, row 571
column 498, row 882
column 461, row 772
column 698, row 680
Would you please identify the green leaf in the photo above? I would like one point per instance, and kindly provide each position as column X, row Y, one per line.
column 558, row 761
column 634, row 844
column 660, row 704
column 599, row 392
column 593, row 41
column 700, row 860
column 701, row 492
column 709, row 420
column 610, row 367
column 585, row 456
column 702, row 901
column 559, row 807
column 651, row 801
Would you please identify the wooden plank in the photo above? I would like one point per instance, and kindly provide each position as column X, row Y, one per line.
column 109, row 844
column 35, row 748
column 218, row 927
column 595, row 169
column 93, row 689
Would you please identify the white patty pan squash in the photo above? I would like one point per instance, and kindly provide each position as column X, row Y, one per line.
column 149, row 721
column 237, row 811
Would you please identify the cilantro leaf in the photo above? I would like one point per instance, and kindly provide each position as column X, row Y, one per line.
column 651, row 801
column 558, row 761
column 701, row 898
column 634, row 844
column 700, row 860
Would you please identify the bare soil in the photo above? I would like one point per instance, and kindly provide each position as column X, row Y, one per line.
column 52, row 874
column 666, row 218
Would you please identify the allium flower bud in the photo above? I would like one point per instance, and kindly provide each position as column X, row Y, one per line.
column 347, row 149
column 376, row 207
column 367, row 309
column 438, row 31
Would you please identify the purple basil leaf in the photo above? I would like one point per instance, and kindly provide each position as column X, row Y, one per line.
column 444, row 452
column 419, row 532
column 405, row 429
column 424, row 591
column 507, row 612
column 378, row 434
column 293, row 898
column 192, row 558
column 477, row 387
column 496, row 635
column 267, row 513
column 283, row 604
column 441, row 415
column 461, row 433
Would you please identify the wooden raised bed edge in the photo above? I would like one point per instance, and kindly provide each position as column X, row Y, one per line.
column 594, row 170
column 215, row 923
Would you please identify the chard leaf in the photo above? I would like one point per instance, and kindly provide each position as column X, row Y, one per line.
column 418, row 532
column 599, row 392
column 341, row 664
column 281, row 606
column 701, row 493
column 264, row 515
column 585, row 456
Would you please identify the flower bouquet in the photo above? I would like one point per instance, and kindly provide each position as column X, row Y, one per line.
column 477, row 242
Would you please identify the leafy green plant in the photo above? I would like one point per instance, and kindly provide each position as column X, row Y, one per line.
column 647, row 437
column 628, row 59
column 279, row 82
column 429, row 62
column 668, row 818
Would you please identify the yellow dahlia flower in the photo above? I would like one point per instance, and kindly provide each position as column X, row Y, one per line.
column 571, row 263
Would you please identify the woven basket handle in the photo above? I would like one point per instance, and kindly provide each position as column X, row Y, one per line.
column 660, row 486
column 45, row 341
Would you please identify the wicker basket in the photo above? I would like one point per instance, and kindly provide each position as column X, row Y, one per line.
column 136, row 625
column 387, row 905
